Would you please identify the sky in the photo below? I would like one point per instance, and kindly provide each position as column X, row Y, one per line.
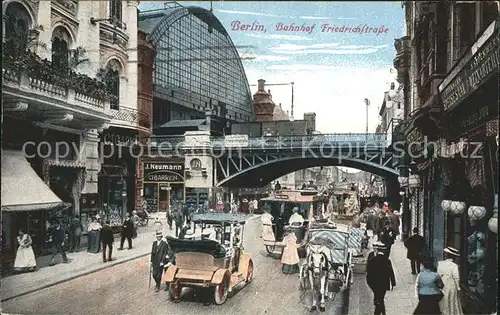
column 333, row 68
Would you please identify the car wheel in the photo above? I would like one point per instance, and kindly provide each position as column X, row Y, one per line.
column 174, row 291
column 221, row 292
column 250, row 272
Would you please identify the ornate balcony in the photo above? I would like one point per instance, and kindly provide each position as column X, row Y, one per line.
column 29, row 79
column 131, row 118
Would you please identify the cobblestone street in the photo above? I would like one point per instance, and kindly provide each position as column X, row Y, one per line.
column 123, row 289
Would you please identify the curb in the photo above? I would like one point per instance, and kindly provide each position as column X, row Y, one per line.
column 84, row 273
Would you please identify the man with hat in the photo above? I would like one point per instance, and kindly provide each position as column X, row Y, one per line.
column 379, row 276
column 449, row 273
column 416, row 247
column 387, row 236
column 159, row 254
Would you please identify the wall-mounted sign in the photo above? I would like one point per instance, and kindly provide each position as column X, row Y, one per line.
column 195, row 164
column 163, row 172
column 119, row 140
column 281, row 197
column 473, row 70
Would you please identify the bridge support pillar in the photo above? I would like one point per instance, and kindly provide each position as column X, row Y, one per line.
column 199, row 166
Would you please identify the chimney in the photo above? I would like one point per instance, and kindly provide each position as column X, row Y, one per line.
column 261, row 85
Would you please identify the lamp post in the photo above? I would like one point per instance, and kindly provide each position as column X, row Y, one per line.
column 367, row 103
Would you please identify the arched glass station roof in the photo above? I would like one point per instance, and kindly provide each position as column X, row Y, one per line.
column 197, row 64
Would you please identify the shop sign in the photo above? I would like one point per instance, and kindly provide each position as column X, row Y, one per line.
column 281, row 197
column 473, row 70
column 163, row 172
column 120, row 140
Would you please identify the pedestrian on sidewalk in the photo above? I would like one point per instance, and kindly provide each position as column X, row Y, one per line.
column 127, row 232
column 94, row 229
column 170, row 219
column 25, row 257
column 416, row 247
column 158, row 226
column 179, row 221
column 387, row 237
column 107, row 240
column 75, row 234
column 159, row 255
column 58, row 236
column 379, row 276
column 448, row 271
column 428, row 289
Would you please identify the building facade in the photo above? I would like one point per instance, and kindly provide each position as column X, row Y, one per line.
column 450, row 78
column 199, row 89
column 59, row 96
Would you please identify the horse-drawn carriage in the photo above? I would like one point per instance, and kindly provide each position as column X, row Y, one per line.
column 220, row 265
column 327, row 269
column 281, row 206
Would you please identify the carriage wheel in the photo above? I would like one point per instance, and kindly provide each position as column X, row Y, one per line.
column 221, row 292
column 174, row 291
column 269, row 249
column 250, row 272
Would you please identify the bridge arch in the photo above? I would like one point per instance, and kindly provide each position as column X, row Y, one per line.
column 265, row 172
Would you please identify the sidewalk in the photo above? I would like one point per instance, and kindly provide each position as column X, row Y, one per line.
column 80, row 263
column 401, row 300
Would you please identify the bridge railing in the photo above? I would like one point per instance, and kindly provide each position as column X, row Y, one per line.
column 371, row 140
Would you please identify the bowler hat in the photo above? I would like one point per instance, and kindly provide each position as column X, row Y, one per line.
column 379, row 245
column 452, row 251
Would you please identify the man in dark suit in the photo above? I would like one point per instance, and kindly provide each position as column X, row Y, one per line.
column 107, row 240
column 416, row 247
column 159, row 254
column 179, row 221
column 58, row 236
column 387, row 236
column 379, row 277
column 127, row 232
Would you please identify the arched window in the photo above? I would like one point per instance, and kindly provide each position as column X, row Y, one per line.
column 112, row 81
column 16, row 27
column 115, row 9
column 60, row 47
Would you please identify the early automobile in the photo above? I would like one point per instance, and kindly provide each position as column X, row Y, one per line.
column 280, row 206
column 327, row 269
column 219, row 264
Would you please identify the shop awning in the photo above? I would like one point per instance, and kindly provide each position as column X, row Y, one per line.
column 22, row 188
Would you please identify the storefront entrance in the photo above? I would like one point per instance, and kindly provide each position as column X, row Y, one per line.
column 163, row 184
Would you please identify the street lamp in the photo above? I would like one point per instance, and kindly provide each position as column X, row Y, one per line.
column 367, row 103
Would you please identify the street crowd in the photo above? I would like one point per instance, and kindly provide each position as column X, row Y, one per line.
column 437, row 286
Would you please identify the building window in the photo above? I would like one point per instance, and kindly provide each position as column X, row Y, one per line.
column 489, row 13
column 115, row 9
column 111, row 77
column 465, row 27
column 60, row 47
column 16, row 27
column 441, row 38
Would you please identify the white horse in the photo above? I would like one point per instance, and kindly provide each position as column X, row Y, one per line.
column 317, row 267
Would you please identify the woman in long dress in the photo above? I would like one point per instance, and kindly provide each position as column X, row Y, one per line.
column 290, row 258
column 448, row 270
column 267, row 227
column 93, row 236
column 25, row 257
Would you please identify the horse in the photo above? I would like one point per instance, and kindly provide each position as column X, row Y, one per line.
column 317, row 268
